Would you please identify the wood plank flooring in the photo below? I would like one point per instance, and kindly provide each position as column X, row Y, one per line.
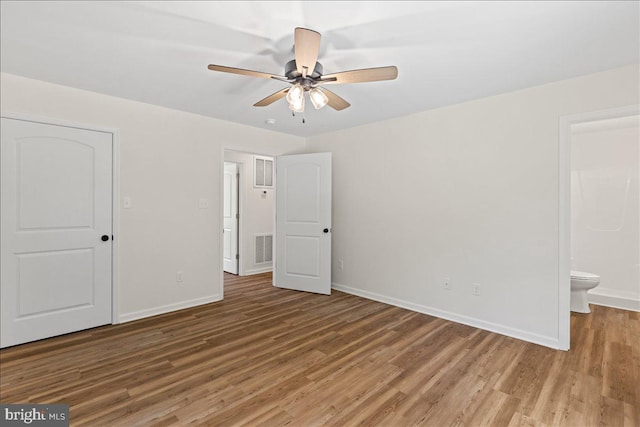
column 271, row 357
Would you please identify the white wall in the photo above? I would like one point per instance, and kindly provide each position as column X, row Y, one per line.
column 468, row 192
column 605, row 208
column 257, row 213
column 168, row 161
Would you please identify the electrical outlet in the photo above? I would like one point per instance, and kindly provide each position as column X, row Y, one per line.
column 446, row 283
column 340, row 264
column 179, row 276
column 203, row 203
column 475, row 289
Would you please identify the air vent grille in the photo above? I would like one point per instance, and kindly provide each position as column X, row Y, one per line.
column 264, row 248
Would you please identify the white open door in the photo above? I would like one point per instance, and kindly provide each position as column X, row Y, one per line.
column 303, row 223
column 230, row 209
column 55, row 249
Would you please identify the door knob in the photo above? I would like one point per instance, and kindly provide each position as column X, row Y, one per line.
column 104, row 238
column 326, row 230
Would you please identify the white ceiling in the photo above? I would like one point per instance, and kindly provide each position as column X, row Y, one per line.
column 446, row 52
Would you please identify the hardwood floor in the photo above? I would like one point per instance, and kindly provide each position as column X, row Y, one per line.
column 270, row 357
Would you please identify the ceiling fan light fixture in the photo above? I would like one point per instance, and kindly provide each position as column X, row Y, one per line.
column 297, row 107
column 295, row 94
column 318, row 98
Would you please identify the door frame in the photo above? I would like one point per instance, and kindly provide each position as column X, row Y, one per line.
column 564, row 209
column 115, row 192
column 241, row 169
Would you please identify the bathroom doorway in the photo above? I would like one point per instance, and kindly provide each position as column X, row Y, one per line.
column 599, row 200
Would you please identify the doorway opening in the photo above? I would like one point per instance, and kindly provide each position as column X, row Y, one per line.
column 248, row 214
column 570, row 128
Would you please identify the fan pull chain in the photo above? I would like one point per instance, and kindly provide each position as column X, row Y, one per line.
column 293, row 114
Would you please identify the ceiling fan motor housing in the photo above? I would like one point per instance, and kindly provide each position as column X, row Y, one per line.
column 292, row 73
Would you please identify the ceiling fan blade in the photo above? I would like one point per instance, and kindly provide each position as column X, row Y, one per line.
column 336, row 102
column 306, row 47
column 361, row 76
column 242, row 71
column 272, row 98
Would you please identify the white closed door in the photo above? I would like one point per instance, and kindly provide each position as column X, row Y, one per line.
column 56, row 230
column 230, row 218
column 303, row 223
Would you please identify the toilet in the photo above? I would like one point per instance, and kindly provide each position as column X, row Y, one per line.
column 581, row 282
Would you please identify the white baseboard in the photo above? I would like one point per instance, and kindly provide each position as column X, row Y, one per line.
column 552, row 342
column 613, row 298
column 135, row 315
column 258, row 270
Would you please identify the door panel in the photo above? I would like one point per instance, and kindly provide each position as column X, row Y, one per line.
column 56, row 205
column 303, row 212
column 303, row 193
column 41, row 171
column 69, row 281
column 302, row 256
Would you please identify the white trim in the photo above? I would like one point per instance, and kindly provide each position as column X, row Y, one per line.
column 614, row 298
column 241, row 194
column 115, row 188
column 56, row 122
column 274, row 223
column 258, row 270
column 454, row 317
column 564, row 234
column 135, row 315
column 115, row 218
column 564, row 208
column 221, row 224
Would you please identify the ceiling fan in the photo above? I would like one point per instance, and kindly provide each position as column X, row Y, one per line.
column 306, row 75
